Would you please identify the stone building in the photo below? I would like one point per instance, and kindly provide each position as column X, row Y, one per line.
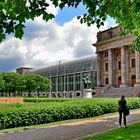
column 116, row 68
column 22, row 70
column 117, row 64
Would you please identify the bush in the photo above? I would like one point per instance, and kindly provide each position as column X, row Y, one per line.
column 49, row 110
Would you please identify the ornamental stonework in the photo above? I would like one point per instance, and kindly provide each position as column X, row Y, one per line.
column 117, row 66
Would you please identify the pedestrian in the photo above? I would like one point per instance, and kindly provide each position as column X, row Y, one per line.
column 122, row 110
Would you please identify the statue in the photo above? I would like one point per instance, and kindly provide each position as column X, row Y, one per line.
column 87, row 82
column 87, row 91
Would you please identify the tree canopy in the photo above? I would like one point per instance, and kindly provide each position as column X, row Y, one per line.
column 14, row 82
column 14, row 13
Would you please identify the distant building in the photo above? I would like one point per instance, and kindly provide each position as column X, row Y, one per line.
column 22, row 70
column 67, row 78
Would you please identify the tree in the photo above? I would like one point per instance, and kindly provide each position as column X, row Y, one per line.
column 35, row 83
column 2, row 83
column 30, row 83
column 14, row 14
column 10, row 82
column 42, row 83
column 21, row 84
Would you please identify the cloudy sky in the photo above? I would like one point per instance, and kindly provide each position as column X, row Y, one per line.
column 61, row 39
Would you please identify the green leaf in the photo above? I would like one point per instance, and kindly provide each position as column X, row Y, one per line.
column 19, row 30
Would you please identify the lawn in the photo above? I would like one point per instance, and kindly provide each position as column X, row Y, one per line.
column 131, row 132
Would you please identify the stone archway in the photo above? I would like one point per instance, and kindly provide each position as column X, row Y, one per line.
column 78, row 94
column 119, row 81
column 133, row 80
column 106, row 81
column 71, row 94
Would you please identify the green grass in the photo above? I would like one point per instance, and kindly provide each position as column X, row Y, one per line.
column 131, row 132
column 37, row 103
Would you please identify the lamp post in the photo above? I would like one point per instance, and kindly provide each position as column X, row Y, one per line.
column 60, row 84
column 59, row 67
column 64, row 81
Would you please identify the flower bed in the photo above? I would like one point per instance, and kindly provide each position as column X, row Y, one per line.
column 11, row 100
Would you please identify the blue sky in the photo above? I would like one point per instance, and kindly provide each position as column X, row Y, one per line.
column 61, row 39
column 68, row 13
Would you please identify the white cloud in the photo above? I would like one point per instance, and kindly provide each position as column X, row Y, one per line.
column 47, row 43
column 52, row 9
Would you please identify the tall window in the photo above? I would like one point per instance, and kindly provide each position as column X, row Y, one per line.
column 106, row 66
column 70, row 82
column 133, row 63
column 106, row 81
column 119, row 64
column 106, row 54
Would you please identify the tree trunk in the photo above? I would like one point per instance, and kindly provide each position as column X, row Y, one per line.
column 29, row 94
column 38, row 93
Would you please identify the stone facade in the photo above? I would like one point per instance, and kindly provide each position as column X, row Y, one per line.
column 117, row 64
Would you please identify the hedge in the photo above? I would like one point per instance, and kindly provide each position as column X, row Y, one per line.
column 45, row 112
column 46, row 99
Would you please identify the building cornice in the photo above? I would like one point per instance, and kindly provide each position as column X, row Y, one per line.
column 114, row 42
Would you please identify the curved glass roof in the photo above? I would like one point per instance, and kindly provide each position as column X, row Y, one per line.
column 85, row 64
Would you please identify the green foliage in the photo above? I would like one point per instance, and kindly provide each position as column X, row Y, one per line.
column 1, row 83
column 125, row 12
column 14, row 13
column 15, row 115
column 13, row 82
column 35, row 82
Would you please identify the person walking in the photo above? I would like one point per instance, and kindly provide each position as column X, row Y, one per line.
column 122, row 110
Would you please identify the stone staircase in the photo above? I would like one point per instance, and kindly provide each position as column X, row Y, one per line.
column 117, row 92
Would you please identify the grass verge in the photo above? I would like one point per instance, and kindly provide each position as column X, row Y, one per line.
column 132, row 132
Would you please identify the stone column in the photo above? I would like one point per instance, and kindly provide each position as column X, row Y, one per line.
column 110, row 67
column 127, row 65
column 113, row 68
column 137, row 60
column 123, row 67
column 98, row 69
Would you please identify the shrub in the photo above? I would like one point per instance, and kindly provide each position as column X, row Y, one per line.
column 49, row 110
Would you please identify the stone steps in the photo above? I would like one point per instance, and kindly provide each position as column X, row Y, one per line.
column 117, row 92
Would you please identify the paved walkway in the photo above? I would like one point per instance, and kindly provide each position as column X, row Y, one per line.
column 72, row 131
